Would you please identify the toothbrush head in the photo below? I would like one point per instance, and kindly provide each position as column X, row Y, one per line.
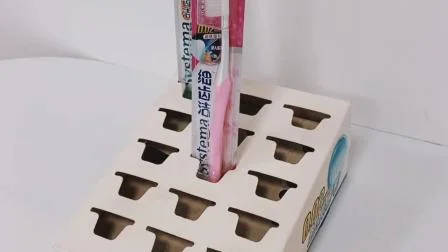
column 225, row 8
column 218, row 8
column 212, row 8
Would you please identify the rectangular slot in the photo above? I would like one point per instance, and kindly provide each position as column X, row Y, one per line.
column 156, row 153
column 166, row 242
column 134, row 187
column 189, row 206
column 251, row 105
column 243, row 134
column 175, row 120
column 288, row 151
column 270, row 187
column 306, row 118
column 110, row 225
column 251, row 226
column 212, row 250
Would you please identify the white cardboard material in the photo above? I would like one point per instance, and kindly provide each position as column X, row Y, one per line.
column 248, row 210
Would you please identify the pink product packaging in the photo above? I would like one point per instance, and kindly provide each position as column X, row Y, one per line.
column 217, row 41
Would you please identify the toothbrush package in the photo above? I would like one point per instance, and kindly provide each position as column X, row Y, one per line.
column 183, row 26
column 210, row 41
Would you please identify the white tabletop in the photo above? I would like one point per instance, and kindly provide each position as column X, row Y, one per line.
column 64, row 120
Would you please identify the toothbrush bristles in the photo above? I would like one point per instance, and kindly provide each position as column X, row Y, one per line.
column 213, row 8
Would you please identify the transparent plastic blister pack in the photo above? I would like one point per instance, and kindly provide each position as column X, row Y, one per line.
column 210, row 67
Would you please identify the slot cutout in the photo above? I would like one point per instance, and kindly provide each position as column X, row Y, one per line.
column 175, row 120
column 110, row 225
column 306, row 118
column 166, row 242
column 156, row 153
column 212, row 250
column 243, row 134
column 251, row 105
column 189, row 206
column 251, row 226
column 289, row 152
column 134, row 187
column 270, row 187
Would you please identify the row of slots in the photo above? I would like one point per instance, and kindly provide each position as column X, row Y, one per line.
column 287, row 151
column 250, row 226
column 251, row 105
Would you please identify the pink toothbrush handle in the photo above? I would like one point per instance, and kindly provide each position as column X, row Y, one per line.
column 217, row 130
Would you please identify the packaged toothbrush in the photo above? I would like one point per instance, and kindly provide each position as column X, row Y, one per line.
column 217, row 31
column 236, row 32
column 206, row 60
column 183, row 26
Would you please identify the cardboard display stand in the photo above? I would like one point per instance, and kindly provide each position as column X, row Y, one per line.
column 292, row 156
